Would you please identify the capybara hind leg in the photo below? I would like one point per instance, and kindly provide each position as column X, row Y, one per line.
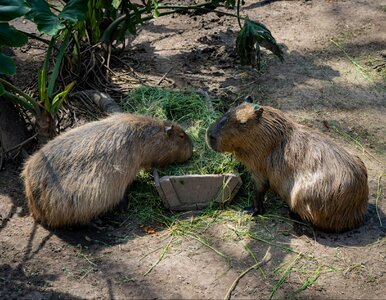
column 122, row 205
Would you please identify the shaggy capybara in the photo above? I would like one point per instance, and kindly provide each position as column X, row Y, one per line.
column 319, row 180
column 84, row 172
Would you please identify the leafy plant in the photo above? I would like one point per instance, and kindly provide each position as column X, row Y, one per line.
column 97, row 22
column 250, row 38
column 9, row 36
column 121, row 16
column 59, row 27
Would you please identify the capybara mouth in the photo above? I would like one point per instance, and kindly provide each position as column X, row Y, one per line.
column 212, row 142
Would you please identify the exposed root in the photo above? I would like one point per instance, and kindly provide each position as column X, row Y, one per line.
column 92, row 98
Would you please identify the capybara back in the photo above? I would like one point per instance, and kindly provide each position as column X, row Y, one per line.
column 86, row 171
column 318, row 179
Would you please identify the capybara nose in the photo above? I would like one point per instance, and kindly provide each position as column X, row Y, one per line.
column 211, row 138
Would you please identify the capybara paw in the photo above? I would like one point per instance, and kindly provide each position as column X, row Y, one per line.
column 253, row 211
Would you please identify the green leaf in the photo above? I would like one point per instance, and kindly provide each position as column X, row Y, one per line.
column 18, row 100
column 109, row 33
column 251, row 37
column 74, row 11
column 11, row 37
column 7, row 65
column 137, row 13
column 230, row 3
column 59, row 98
column 148, row 6
column 42, row 78
column 155, row 11
column 42, row 15
column 42, row 88
column 11, row 9
column 93, row 16
column 58, row 62
column 116, row 3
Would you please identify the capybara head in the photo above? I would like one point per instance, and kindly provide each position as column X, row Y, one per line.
column 235, row 128
column 177, row 147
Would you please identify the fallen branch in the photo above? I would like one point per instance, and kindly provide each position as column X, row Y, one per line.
column 266, row 258
column 164, row 76
column 378, row 198
column 1, row 157
column 22, row 143
column 101, row 100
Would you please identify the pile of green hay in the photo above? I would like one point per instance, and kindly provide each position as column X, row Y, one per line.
column 194, row 113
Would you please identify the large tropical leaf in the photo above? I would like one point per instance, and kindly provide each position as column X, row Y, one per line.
column 11, row 37
column 251, row 37
column 43, row 17
column 74, row 11
column 11, row 9
column 7, row 65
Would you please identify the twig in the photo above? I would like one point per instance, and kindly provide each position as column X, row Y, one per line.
column 163, row 77
column 88, row 260
column 161, row 256
column 33, row 36
column 108, row 60
column 22, row 143
column 379, row 194
column 266, row 258
column 1, row 157
column 85, row 274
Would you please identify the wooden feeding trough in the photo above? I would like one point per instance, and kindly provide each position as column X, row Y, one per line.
column 193, row 192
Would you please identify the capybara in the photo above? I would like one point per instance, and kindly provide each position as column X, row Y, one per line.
column 86, row 171
column 319, row 180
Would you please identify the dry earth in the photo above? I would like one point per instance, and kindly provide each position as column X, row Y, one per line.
column 317, row 84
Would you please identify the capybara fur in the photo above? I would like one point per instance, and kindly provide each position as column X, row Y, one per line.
column 85, row 172
column 319, row 180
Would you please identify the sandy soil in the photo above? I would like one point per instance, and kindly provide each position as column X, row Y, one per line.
column 317, row 85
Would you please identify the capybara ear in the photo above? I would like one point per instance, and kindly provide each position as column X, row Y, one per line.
column 248, row 99
column 258, row 111
column 169, row 129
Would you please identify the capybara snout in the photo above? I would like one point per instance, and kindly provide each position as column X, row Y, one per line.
column 86, row 171
column 237, row 123
column 318, row 179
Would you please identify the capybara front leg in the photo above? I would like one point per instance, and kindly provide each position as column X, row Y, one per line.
column 261, row 187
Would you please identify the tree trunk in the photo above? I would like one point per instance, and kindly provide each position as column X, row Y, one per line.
column 46, row 127
column 13, row 129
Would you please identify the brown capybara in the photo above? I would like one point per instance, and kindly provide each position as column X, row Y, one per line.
column 84, row 172
column 319, row 180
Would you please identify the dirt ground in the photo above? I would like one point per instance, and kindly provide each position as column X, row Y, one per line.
column 317, row 84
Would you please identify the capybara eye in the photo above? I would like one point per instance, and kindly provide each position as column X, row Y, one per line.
column 182, row 136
